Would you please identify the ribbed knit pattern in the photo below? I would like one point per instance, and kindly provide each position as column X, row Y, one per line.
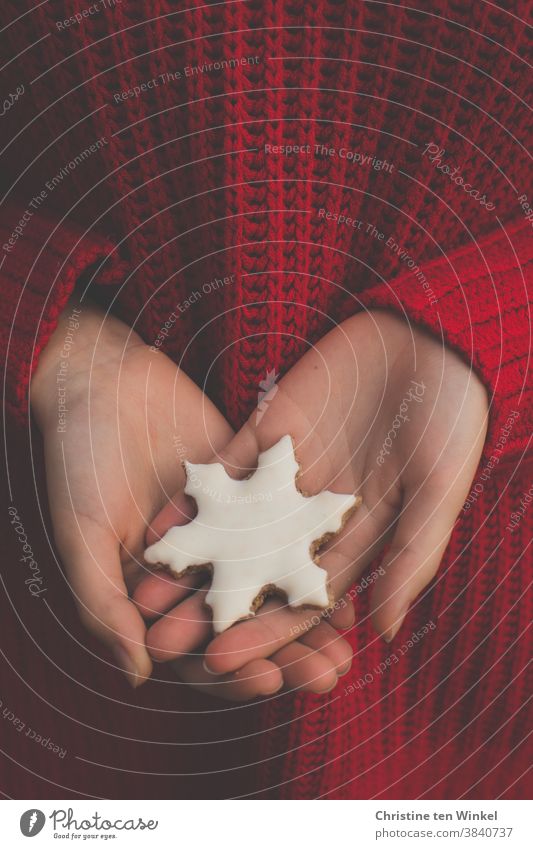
column 487, row 292
column 188, row 188
column 448, row 716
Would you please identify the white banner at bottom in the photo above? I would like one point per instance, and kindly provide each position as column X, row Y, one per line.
column 267, row 824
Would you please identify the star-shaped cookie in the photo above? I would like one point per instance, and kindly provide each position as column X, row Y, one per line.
column 256, row 535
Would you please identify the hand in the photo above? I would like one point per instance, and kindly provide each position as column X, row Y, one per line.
column 132, row 417
column 379, row 408
column 111, row 462
column 312, row 663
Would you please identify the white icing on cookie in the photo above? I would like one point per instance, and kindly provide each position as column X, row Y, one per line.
column 257, row 534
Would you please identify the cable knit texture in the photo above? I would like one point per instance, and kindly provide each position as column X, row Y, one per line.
column 364, row 109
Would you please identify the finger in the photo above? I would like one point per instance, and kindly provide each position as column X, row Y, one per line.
column 179, row 510
column 305, row 668
column 132, row 572
column 158, row 593
column 259, row 678
column 348, row 554
column 92, row 562
column 275, row 626
column 324, row 639
column 182, row 508
column 418, row 544
column 342, row 614
column 182, row 630
column 239, row 456
column 184, row 627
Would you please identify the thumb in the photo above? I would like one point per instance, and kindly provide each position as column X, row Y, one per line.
column 418, row 544
column 94, row 572
column 239, row 456
column 178, row 511
column 181, row 508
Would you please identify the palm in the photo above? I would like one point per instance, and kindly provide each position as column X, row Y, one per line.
column 117, row 464
column 411, row 441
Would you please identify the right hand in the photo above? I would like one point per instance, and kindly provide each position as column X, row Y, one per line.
column 132, row 416
column 131, row 412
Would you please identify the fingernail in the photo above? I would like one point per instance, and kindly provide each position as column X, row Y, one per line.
column 345, row 669
column 127, row 665
column 326, row 689
column 389, row 635
column 207, row 669
column 271, row 690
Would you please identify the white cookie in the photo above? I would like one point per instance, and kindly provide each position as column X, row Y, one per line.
column 257, row 535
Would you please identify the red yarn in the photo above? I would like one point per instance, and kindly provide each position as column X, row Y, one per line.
column 193, row 183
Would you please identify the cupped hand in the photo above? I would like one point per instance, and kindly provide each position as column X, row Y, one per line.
column 378, row 407
column 111, row 462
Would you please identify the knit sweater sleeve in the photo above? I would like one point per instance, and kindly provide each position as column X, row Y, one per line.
column 41, row 259
column 477, row 300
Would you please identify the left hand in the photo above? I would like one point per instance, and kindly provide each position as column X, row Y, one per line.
column 380, row 408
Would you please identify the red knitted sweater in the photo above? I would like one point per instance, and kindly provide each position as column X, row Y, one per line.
column 330, row 156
